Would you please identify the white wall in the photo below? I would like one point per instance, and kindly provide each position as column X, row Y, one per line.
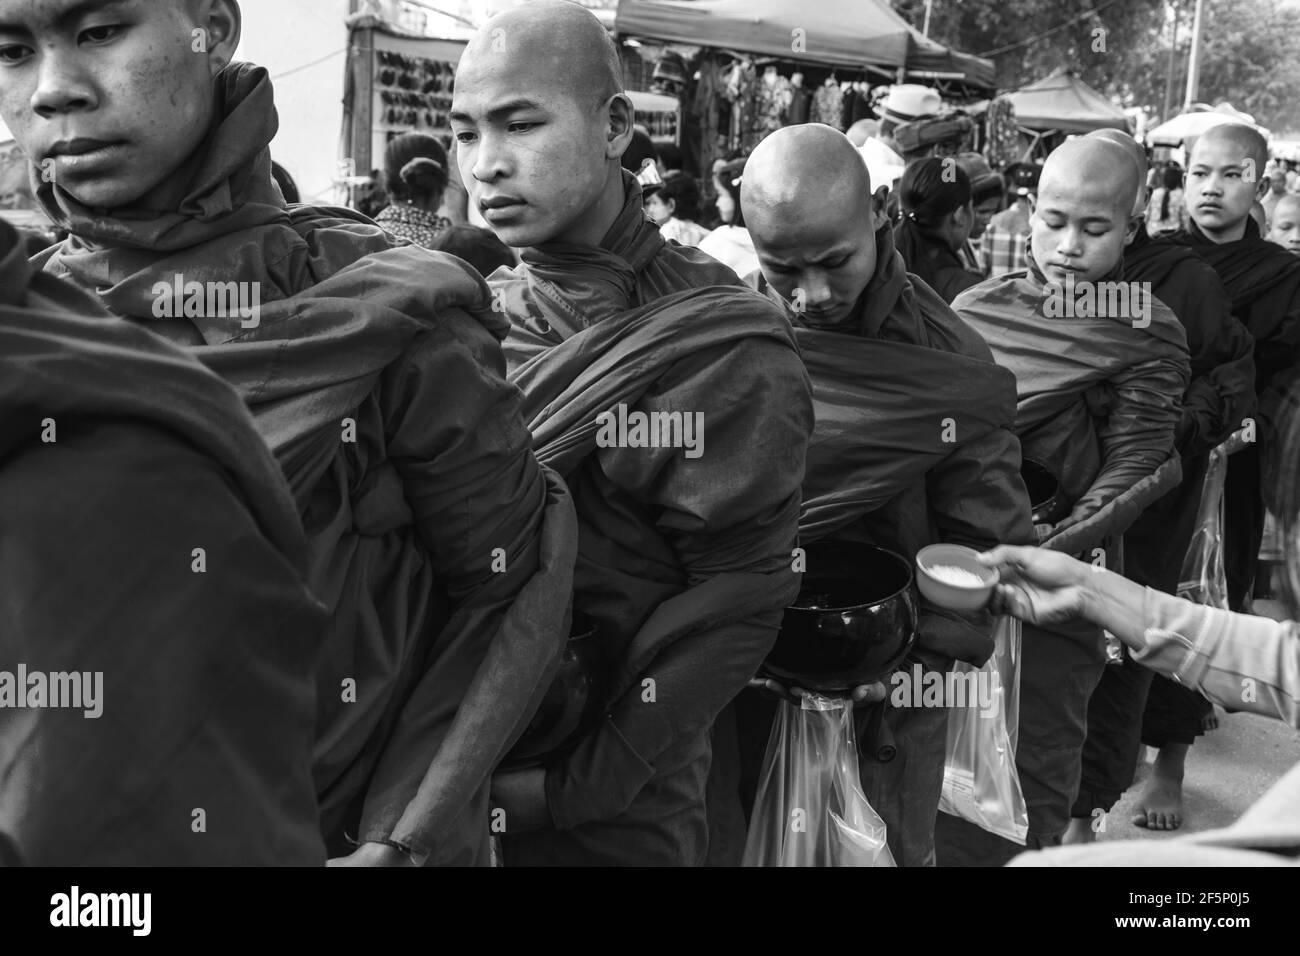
column 286, row 36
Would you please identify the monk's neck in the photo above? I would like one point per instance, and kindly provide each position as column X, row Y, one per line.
column 592, row 227
column 1227, row 234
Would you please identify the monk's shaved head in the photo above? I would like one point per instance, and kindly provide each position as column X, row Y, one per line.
column 1246, row 140
column 806, row 195
column 1084, row 211
column 1136, row 153
column 803, row 165
column 1092, row 169
column 551, row 40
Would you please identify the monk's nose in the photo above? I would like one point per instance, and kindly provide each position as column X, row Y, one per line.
column 61, row 87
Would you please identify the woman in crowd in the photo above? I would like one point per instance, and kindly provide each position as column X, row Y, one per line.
column 730, row 243
column 938, row 215
column 415, row 175
column 675, row 208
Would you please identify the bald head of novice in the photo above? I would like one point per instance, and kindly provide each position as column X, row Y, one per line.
column 807, row 198
column 1246, row 142
column 541, row 122
column 1083, row 215
column 1137, row 154
column 1285, row 229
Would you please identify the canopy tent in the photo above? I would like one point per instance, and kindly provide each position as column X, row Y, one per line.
column 1061, row 102
column 1187, row 126
column 849, row 33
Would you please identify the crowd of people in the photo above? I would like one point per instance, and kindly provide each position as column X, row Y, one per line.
column 316, row 502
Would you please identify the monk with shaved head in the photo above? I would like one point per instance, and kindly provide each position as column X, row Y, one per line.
column 1101, row 367
column 1225, row 178
column 1220, row 396
column 441, row 549
column 672, row 400
column 891, row 366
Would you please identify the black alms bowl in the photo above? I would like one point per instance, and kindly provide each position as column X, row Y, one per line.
column 853, row 622
column 571, row 706
column 1049, row 505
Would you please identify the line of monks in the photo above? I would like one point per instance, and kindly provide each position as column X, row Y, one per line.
column 328, row 565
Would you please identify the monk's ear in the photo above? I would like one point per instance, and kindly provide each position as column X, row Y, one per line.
column 220, row 24
column 620, row 119
column 1134, row 224
column 879, row 208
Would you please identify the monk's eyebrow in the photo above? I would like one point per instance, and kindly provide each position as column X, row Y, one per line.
column 72, row 14
column 500, row 111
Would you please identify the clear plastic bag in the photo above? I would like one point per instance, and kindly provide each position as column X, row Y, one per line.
column 811, row 810
column 1204, row 580
column 980, row 782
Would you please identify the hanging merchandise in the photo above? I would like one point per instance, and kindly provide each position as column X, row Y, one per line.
column 740, row 92
column 828, row 104
column 413, row 93
column 772, row 101
column 1002, row 133
column 800, row 102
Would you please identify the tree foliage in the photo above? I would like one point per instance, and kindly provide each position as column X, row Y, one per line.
column 1250, row 48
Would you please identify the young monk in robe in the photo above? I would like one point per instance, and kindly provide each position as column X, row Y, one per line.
column 1285, row 230
column 685, row 555
column 154, row 577
column 1099, row 382
column 374, row 374
column 1225, row 177
column 1220, row 397
column 883, row 467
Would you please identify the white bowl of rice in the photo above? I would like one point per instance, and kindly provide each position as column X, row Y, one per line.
column 951, row 576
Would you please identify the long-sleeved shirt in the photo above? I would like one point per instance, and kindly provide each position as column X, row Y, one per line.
column 1237, row 660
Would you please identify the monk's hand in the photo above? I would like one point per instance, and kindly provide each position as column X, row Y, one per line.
column 521, row 794
column 373, row 854
column 862, row 696
column 1038, row 585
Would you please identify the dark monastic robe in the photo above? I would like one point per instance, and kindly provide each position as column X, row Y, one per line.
column 919, row 451
column 1263, row 284
column 375, row 374
column 119, row 457
column 684, row 564
column 1221, row 395
column 1098, row 403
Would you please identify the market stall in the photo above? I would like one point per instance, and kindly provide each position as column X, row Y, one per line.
column 1060, row 105
column 757, row 65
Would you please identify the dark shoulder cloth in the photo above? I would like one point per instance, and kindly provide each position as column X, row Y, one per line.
column 157, row 635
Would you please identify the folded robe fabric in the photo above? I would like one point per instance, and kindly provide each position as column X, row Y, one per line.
column 684, row 564
column 119, row 456
column 1066, row 366
column 376, row 377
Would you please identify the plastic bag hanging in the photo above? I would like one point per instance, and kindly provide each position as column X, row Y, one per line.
column 810, row 809
column 980, row 782
column 1204, row 580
